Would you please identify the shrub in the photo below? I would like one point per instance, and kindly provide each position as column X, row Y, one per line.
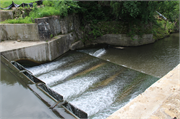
column 49, row 8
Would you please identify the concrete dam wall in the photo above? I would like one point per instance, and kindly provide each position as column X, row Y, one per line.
column 42, row 52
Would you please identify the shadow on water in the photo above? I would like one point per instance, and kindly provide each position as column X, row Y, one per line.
column 95, row 86
column 18, row 101
column 156, row 59
column 92, row 84
column 27, row 63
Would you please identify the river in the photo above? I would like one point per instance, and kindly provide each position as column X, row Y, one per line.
column 98, row 87
column 155, row 59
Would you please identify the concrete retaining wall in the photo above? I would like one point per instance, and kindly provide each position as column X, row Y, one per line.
column 6, row 14
column 44, row 52
column 54, row 25
column 24, row 32
column 44, row 29
column 47, row 27
column 124, row 40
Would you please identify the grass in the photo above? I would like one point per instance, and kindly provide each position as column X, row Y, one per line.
column 26, row 20
column 6, row 3
column 37, row 13
column 60, row 7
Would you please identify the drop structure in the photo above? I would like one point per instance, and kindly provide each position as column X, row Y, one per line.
column 95, row 87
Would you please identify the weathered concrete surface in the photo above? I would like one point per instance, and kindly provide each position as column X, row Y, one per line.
column 37, row 51
column 12, row 45
column 124, row 40
column 159, row 101
column 77, row 45
column 6, row 14
column 59, row 45
column 54, row 25
column 24, row 32
column 67, row 24
column 44, row 29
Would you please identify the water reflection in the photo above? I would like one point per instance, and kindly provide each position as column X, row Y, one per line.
column 156, row 59
column 17, row 101
column 6, row 79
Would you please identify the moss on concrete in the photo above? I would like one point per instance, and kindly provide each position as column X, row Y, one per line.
column 163, row 29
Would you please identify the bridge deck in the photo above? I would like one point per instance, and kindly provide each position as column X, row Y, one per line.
column 159, row 101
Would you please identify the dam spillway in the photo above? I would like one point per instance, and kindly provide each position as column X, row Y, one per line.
column 154, row 59
column 90, row 84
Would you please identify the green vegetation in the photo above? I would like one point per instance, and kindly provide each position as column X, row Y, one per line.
column 49, row 8
column 6, row 3
column 110, row 17
column 132, row 17
column 59, row 7
column 163, row 29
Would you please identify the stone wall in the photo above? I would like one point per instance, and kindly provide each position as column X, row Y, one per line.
column 124, row 40
column 54, row 25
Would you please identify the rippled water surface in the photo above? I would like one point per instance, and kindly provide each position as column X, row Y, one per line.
column 92, row 85
column 98, row 81
column 155, row 59
column 17, row 101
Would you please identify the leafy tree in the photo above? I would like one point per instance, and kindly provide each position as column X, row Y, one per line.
column 135, row 12
column 170, row 9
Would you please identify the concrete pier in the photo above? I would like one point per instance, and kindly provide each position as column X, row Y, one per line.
column 160, row 101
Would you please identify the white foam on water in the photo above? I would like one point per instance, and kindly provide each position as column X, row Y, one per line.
column 119, row 104
column 53, row 77
column 98, row 53
column 44, row 68
column 76, row 86
column 94, row 52
column 113, row 107
column 47, row 67
column 124, row 65
column 88, row 51
column 94, row 101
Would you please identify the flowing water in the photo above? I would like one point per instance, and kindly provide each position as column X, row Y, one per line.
column 155, row 59
column 98, row 81
column 92, row 85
